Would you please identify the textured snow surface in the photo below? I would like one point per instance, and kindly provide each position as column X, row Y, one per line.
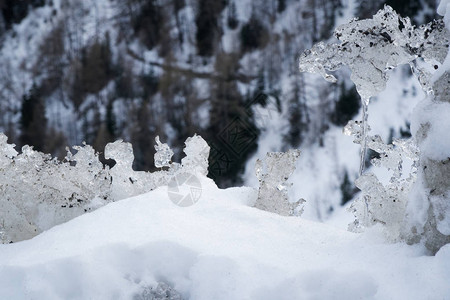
column 219, row 248
column 436, row 144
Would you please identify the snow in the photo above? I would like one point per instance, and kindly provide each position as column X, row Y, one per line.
column 436, row 115
column 219, row 248
column 444, row 8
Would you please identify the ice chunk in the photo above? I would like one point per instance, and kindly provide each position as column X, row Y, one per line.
column 197, row 154
column 125, row 181
column 39, row 192
column 273, row 174
column 386, row 204
column 161, row 292
column 163, row 155
column 7, row 151
column 121, row 153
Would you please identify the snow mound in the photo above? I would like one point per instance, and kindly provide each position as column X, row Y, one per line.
column 219, row 248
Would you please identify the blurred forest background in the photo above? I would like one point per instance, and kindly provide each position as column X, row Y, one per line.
column 100, row 70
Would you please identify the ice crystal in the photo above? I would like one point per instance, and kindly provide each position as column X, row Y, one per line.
column 3, row 237
column 122, row 153
column 197, row 153
column 125, row 181
column 7, row 151
column 38, row 191
column 162, row 291
column 273, row 174
column 94, row 179
column 359, row 131
column 163, row 155
column 372, row 47
column 385, row 204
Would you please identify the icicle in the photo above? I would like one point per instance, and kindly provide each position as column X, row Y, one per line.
column 365, row 129
column 363, row 151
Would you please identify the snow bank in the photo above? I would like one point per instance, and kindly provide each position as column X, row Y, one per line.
column 219, row 248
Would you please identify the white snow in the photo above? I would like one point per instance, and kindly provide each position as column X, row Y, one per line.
column 219, row 248
column 436, row 115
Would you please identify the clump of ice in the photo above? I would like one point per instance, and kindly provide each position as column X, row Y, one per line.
column 163, row 155
column 197, row 153
column 38, row 192
column 7, row 151
column 162, row 291
column 384, row 203
column 125, row 181
column 370, row 48
column 273, row 174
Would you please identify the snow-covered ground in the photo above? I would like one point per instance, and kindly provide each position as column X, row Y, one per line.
column 218, row 248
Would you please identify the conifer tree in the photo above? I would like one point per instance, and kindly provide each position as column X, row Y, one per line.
column 33, row 121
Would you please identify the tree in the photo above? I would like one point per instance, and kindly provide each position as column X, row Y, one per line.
column 143, row 132
column 232, row 19
column 232, row 132
column 92, row 72
column 32, row 120
column 253, row 35
column 96, row 66
column 51, row 60
column 346, row 107
column 148, row 23
column 208, row 29
column 298, row 114
column 348, row 189
column 281, row 6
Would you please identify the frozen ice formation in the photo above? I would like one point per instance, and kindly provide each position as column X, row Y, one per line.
column 372, row 47
column 412, row 207
column 38, row 191
column 197, row 153
column 163, row 155
column 273, row 174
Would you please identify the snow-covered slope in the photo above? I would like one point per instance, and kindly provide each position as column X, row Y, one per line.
column 219, row 248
